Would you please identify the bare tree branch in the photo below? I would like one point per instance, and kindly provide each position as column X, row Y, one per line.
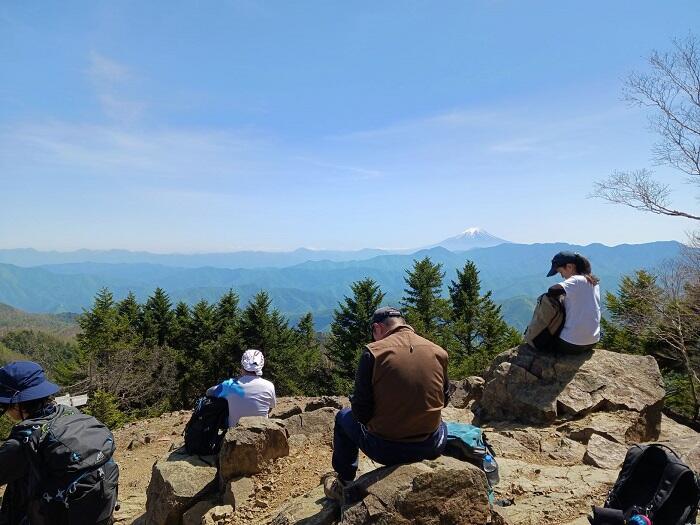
column 638, row 190
column 671, row 91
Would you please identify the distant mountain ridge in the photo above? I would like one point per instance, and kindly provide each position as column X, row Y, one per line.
column 29, row 257
column 514, row 272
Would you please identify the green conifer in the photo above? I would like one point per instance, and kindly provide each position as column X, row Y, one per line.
column 350, row 331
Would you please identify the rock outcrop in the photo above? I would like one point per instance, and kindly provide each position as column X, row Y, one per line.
column 466, row 391
column 318, row 422
column 290, row 406
column 533, row 387
column 185, row 488
column 430, row 492
column 177, row 482
column 603, row 453
column 248, row 446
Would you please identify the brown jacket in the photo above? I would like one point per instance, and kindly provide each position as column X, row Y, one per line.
column 409, row 380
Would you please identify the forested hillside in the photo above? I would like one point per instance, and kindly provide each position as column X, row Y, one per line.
column 514, row 273
column 140, row 358
column 64, row 325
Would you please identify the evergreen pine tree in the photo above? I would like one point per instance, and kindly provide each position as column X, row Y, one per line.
column 305, row 330
column 227, row 312
column 350, row 331
column 425, row 310
column 203, row 323
column 181, row 336
column 101, row 331
column 314, row 376
column 465, row 305
column 157, row 318
column 477, row 327
column 256, row 325
column 130, row 310
column 229, row 345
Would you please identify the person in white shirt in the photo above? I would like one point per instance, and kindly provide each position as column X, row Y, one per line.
column 250, row 394
column 581, row 299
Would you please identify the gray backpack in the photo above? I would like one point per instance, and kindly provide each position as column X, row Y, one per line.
column 546, row 324
column 75, row 477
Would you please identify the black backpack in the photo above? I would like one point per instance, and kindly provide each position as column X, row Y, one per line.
column 653, row 482
column 75, row 478
column 205, row 430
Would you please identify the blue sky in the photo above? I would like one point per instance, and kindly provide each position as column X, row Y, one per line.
column 215, row 126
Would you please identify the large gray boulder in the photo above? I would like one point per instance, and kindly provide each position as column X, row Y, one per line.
column 428, row 493
column 466, row 391
column 178, row 481
column 533, row 387
column 620, row 426
column 318, row 422
column 251, row 444
column 432, row 492
column 604, row 453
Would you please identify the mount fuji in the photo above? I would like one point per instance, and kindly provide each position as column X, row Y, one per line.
column 470, row 238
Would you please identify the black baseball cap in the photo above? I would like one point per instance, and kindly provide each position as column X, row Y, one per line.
column 380, row 314
column 561, row 259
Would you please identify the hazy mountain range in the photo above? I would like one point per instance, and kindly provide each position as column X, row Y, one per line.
column 470, row 238
column 37, row 282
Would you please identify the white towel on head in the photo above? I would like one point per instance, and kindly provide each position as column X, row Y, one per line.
column 253, row 361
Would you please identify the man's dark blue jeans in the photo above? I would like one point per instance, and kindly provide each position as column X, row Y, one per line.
column 350, row 436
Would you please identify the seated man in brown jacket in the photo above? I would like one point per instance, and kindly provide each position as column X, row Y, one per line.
column 401, row 387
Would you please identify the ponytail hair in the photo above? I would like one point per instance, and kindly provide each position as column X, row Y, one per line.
column 583, row 267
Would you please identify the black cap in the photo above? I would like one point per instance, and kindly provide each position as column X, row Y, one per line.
column 380, row 314
column 561, row 259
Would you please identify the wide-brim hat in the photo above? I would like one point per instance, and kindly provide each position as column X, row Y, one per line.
column 23, row 381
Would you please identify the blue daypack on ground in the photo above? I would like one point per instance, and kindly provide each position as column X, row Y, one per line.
column 468, row 443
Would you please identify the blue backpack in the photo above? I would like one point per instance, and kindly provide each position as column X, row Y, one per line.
column 468, row 443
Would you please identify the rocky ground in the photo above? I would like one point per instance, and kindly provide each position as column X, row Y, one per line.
column 541, row 471
column 571, row 422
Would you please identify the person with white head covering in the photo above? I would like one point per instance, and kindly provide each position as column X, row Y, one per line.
column 249, row 394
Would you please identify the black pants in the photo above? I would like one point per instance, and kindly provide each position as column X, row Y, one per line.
column 564, row 347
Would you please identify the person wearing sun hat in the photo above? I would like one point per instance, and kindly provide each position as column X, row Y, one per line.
column 32, row 496
column 249, row 394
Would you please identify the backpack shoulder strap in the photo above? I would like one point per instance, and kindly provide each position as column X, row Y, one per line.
column 673, row 473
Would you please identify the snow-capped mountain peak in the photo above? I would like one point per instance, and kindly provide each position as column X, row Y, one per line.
column 473, row 237
column 474, row 230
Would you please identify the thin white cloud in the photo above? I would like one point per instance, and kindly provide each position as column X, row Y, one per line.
column 358, row 173
column 449, row 119
column 111, row 81
column 103, row 69
column 521, row 145
column 115, row 151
